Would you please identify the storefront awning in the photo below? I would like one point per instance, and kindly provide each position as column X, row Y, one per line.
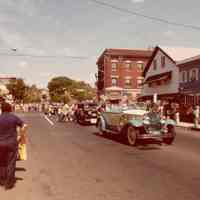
column 159, row 77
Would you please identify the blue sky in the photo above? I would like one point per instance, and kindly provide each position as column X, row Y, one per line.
column 83, row 28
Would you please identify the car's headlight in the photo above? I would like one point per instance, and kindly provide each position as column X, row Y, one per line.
column 146, row 122
column 162, row 121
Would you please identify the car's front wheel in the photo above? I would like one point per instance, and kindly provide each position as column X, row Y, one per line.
column 170, row 140
column 131, row 135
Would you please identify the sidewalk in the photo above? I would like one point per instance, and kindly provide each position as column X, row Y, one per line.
column 187, row 125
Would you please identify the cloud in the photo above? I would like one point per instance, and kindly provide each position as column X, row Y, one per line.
column 47, row 75
column 137, row 1
column 169, row 33
column 23, row 64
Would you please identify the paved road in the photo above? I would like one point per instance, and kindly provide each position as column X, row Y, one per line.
column 71, row 162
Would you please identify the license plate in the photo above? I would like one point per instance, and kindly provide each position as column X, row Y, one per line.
column 93, row 121
column 156, row 133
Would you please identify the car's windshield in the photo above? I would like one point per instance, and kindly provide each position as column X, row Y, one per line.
column 136, row 106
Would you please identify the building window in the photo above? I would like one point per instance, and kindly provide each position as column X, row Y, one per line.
column 188, row 76
column 183, row 77
column 163, row 61
column 139, row 83
column 193, row 75
column 114, row 66
column 127, row 82
column 128, row 65
column 114, row 81
column 199, row 74
column 155, row 64
column 140, row 65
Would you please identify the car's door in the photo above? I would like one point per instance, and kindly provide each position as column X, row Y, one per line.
column 112, row 120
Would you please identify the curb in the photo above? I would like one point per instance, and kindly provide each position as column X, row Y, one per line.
column 184, row 127
column 195, row 129
column 188, row 128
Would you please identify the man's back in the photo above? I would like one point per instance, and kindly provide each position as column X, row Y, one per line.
column 8, row 125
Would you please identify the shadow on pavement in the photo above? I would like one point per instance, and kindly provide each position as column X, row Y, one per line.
column 141, row 146
column 20, row 169
column 18, row 179
column 114, row 138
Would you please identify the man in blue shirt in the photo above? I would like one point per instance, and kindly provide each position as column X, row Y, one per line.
column 8, row 145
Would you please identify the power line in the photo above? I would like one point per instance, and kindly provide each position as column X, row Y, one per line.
column 43, row 56
column 162, row 20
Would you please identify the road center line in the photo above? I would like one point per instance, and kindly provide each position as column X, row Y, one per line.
column 50, row 122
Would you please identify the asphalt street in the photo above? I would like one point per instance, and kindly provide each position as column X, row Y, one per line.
column 67, row 161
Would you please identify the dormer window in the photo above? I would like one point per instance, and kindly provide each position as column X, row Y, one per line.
column 163, row 61
column 155, row 64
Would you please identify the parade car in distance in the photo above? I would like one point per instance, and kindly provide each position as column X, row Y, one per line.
column 86, row 113
column 136, row 125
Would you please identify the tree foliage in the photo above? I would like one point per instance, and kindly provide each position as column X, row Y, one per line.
column 64, row 89
column 22, row 92
column 32, row 94
column 17, row 88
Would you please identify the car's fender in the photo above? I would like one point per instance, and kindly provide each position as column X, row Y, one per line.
column 170, row 122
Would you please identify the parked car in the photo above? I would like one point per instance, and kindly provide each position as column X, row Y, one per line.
column 86, row 113
column 135, row 125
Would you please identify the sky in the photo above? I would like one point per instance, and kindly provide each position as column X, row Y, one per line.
column 65, row 37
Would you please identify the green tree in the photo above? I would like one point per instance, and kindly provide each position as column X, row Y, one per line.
column 17, row 88
column 59, row 88
column 64, row 89
column 32, row 94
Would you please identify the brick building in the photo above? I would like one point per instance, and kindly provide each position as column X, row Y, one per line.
column 121, row 69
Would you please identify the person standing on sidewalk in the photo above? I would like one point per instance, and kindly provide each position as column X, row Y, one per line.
column 196, row 116
column 8, row 145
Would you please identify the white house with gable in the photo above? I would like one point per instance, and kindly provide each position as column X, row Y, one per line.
column 161, row 77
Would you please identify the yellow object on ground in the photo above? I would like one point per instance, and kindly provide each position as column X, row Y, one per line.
column 22, row 140
column 22, row 152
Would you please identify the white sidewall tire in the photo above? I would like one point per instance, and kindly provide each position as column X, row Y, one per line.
column 131, row 135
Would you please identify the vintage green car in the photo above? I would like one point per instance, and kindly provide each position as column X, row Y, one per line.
column 136, row 125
